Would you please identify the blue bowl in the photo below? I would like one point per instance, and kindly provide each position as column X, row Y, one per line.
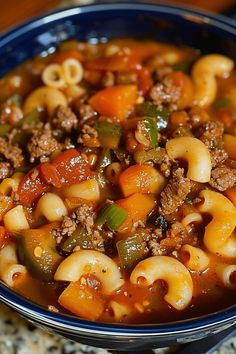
column 168, row 23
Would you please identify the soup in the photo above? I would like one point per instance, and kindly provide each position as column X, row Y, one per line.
column 118, row 181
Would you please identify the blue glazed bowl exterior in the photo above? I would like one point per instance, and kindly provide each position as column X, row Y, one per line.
column 166, row 23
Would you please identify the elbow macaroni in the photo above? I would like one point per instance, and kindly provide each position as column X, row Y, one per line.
column 174, row 273
column 88, row 190
column 218, row 236
column 204, row 74
column 44, row 97
column 195, row 152
column 197, row 259
column 52, row 76
column 91, row 262
column 15, row 219
column 227, row 274
column 119, row 311
column 191, row 218
column 51, row 206
column 9, row 265
column 57, row 76
column 11, row 184
column 72, row 71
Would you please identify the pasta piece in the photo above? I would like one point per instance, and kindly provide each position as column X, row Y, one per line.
column 52, row 76
column 218, row 236
column 197, row 259
column 15, row 219
column 51, row 206
column 91, row 262
column 72, row 71
column 227, row 274
column 119, row 311
column 204, row 74
column 176, row 275
column 195, row 152
column 191, row 218
column 9, row 266
column 111, row 50
column 88, row 190
column 11, row 184
column 6, row 203
column 44, row 97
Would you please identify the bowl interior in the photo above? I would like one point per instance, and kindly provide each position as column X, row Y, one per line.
column 96, row 23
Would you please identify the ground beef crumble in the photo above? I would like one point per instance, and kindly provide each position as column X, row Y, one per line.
column 85, row 112
column 161, row 72
column 166, row 165
column 165, row 93
column 42, row 144
column 5, row 170
column 88, row 136
column 222, row 178
column 11, row 152
column 164, row 244
column 175, row 192
column 211, row 134
column 65, row 120
column 177, row 236
column 85, row 216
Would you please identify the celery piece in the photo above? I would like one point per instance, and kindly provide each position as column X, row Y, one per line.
column 130, row 250
column 113, row 216
column 151, row 128
column 31, row 119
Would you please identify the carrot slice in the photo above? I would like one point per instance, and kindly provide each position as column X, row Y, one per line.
column 115, row 102
column 138, row 206
column 82, row 301
column 141, row 179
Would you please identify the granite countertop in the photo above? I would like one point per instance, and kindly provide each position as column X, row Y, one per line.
column 19, row 337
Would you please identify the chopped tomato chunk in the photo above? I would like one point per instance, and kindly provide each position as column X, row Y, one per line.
column 67, row 168
column 31, row 187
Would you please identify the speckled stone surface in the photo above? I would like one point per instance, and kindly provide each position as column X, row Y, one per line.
column 19, row 337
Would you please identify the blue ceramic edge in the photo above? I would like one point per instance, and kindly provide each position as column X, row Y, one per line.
column 37, row 312
column 204, row 16
column 40, row 314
